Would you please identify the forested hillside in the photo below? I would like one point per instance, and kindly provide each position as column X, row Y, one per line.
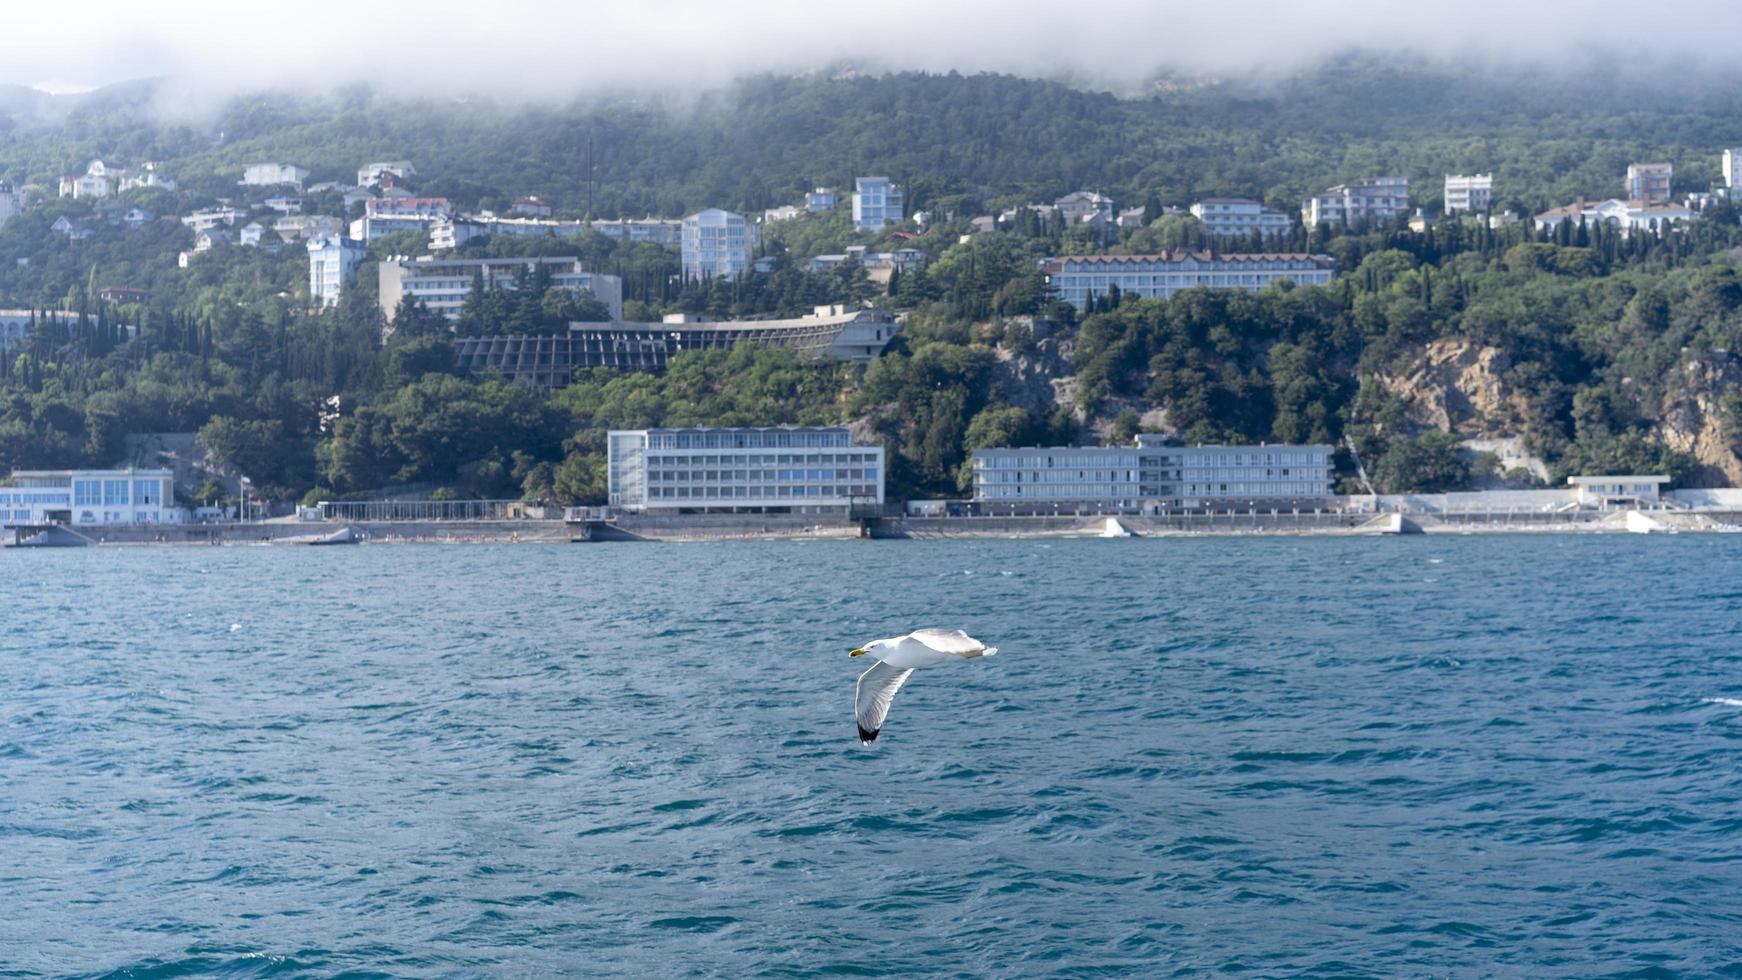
column 1585, row 350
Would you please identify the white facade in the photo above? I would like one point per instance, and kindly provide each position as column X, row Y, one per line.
column 1075, row 278
column 11, row 202
column 660, row 231
column 761, row 470
column 332, row 262
column 1733, row 168
column 442, row 286
column 387, row 215
column 86, row 498
column 1149, row 477
column 1085, row 208
column 718, row 243
column 1629, row 216
column 250, row 233
column 790, row 212
column 273, row 173
column 821, row 199
column 877, row 204
column 1378, row 201
column 1602, row 491
column 213, row 218
column 1232, row 217
column 1473, row 192
column 369, row 174
column 1649, row 182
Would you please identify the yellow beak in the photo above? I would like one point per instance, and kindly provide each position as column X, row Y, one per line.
column 856, row 653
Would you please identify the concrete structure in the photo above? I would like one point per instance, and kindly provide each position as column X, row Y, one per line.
column 1075, row 278
column 250, row 234
column 1628, row 216
column 332, row 263
column 214, row 218
column 283, row 204
column 1649, row 182
column 529, row 207
column 272, row 173
column 294, row 226
column 790, row 212
column 1377, row 201
column 718, row 243
column 369, row 174
column 1232, row 217
column 1085, row 208
column 877, row 204
column 808, row 470
column 85, row 498
column 11, row 202
column 1609, row 491
column 547, row 363
column 442, row 286
column 1150, row 477
column 386, row 215
column 451, row 232
column 15, row 324
column 660, row 231
column 1474, row 192
column 821, row 199
column 1732, row 163
column 148, row 176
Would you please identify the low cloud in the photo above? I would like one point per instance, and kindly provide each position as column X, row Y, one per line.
column 559, row 48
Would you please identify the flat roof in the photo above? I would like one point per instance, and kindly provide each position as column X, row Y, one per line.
column 1584, row 480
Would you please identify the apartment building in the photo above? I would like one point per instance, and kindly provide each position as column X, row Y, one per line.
column 272, row 173
column 1075, row 278
column 1474, row 192
column 1230, row 217
column 718, row 243
column 1149, row 477
column 877, row 204
column 1648, row 183
column 332, row 263
column 442, row 285
column 773, row 470
column 1376, row 201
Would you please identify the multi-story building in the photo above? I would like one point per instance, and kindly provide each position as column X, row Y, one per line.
column 442, row 286
column 1648, row 183
column 1075, row 278
column 1149, row 477
column 821, row 199
column 369, row 174
column 272, row 173
column 90, row 497
column 332, row 262
column 1231, row 217
column 1474, row 192
column 386, row 215
column 148, row 176
column 785, row 470
column 11, row 202
column 1628, row 216
column 660, row 231
column 1733, row 168
column 718, row 243
column 877, row 204
column 529, row 207
column 1085, row 208
column 214, row 218
column 1378, row 201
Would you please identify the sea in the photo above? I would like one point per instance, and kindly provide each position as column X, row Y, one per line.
column 1422, row 756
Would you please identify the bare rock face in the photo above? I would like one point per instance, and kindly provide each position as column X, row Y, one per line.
column 1039, row 378
column 1456, row 386
column 1692, row 418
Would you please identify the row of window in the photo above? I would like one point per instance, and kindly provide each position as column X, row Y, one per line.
column 759, row 492
column 768, row 459
column 1105, row 491
column 758, row 476
column 40, row 499
column 1128, row 460
column 771, row 439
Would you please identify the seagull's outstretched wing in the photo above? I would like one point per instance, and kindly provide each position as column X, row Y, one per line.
column 876, row 690
column 953, row 641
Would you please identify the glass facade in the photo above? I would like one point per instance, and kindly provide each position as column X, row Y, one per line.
column 1151, row 475
column 90, row 497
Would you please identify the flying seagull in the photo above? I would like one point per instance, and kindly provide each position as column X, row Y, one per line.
column 898, row 657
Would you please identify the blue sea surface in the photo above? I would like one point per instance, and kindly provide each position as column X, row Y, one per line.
column 1361, row 757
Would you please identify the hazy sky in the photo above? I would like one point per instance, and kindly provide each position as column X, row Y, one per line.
column 555, row 48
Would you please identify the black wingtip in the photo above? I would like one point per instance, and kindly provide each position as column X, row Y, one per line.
column 866, row 737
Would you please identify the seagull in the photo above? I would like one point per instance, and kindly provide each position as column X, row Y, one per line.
column 898, row 657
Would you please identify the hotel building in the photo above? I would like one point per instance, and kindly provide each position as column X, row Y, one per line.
column 90, row 497
column 1231, row 216
column 442, row 286
column 784, row 470
column 1648, row 183
column 1149, row 477
column 1378, row 201
column 877, row 203
column 1075, row 278
column 1474, row 192
column 718, row 243
column 332, row 262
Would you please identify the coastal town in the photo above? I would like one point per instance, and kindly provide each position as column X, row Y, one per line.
column 834, row 477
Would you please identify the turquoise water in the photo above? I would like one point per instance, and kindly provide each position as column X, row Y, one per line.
column 1355, row 757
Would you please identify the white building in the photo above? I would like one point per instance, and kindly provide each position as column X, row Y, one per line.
column 250, row 234
column 148, row 176
column 1075, row 278
column 442, row 285
column 136, row 218
column 11, row 202
column 790, row 212
column 1085, row 208
column 1473, row 192
column 1733, row 168
column 1649, row 182
column 332, row 262
column 89, row 186
column 877, row 204
column 84, row 498
column 1628, row 216
column 796, row 470
column 821, row 199
column 1149, row 477
column 272, row 173
column 283, row 204
column 1607, row 491
column 718, row 243
column 387, row 215
column 1231, row 217
column 213, row 218
column 15, row 324
column 1376, row 201
column 369, row 174
column 660, row 231
column 294, row 226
